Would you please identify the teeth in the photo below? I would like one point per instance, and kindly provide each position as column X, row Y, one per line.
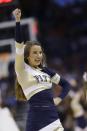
column 37, row 60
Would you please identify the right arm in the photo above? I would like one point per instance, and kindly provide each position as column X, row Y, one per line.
column 19, row 59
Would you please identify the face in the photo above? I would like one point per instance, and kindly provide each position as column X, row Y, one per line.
column 35, row 56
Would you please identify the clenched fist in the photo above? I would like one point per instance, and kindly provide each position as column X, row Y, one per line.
column 17, row 14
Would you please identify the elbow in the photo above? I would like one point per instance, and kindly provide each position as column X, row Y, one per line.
column 64, row 84
column 65, row 88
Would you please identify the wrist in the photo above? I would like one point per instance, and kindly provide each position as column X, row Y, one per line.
column 17, row 19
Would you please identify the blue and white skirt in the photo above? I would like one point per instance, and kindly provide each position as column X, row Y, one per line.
column 43, row 119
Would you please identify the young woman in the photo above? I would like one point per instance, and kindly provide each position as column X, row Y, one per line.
column 35, row 83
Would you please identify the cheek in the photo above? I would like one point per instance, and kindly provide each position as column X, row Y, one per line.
column 41, row 56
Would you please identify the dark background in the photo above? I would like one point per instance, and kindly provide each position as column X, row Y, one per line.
column 62, row 31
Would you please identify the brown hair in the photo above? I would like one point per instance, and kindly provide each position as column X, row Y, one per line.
column 27, row 48
column 28, row 44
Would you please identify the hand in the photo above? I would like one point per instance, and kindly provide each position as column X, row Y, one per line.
column 57, row 100
column 17, row 14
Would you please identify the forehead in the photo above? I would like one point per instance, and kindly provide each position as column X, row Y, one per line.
column 36, row 48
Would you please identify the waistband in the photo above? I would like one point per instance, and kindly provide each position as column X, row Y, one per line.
column 43, row 106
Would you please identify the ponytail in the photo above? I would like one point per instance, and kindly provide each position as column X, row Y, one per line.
column 19, row 92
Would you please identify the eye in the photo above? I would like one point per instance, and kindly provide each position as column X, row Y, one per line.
column 34, row 52
column 40, row 52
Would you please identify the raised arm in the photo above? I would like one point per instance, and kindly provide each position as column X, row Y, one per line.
column 19, row 59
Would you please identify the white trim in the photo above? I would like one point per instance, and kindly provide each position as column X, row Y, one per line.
column 54, row 126
column 29, row 90
column 55, row 79
column 34, row 71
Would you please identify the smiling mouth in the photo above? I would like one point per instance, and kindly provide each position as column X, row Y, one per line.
column 38, row 60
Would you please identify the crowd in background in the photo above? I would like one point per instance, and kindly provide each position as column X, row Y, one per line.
column 62, row 30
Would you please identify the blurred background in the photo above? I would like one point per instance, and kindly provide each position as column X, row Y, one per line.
column 61, row 27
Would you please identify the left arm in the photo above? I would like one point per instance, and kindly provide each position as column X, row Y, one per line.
column 65, row 88
column 56, row 79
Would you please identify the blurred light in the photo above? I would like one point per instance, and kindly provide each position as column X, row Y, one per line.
column 5, row 1
column 67, row 2
column 35, row 27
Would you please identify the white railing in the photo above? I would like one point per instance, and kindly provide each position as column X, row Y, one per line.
column 30, row 25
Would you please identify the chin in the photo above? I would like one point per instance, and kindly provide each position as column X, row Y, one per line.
column 37, row 64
